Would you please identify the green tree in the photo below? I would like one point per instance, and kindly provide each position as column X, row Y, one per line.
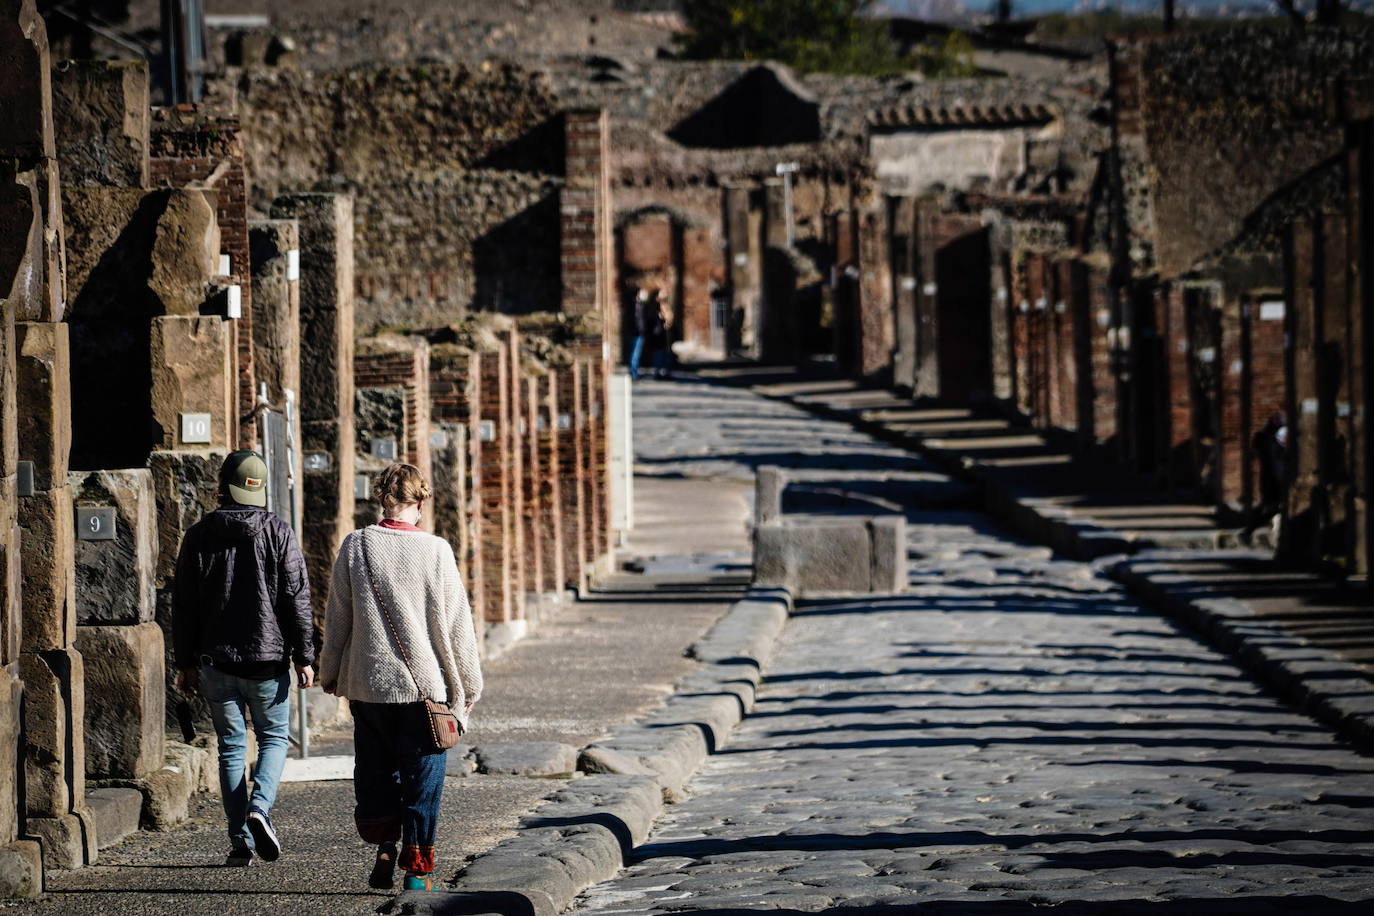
column 810, row 35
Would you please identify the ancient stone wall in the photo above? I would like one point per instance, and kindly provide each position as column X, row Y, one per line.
column 454, row 169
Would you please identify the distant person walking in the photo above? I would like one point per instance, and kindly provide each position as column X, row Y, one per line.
column 240, row 619
column 398, row 630
column 645, row 319
column 661, row 332
column 1271, row 452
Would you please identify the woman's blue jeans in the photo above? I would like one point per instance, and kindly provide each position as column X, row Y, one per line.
column 398, row 780
column 232, row 699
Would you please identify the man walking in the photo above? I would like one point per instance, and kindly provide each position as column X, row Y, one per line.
column 240, row 618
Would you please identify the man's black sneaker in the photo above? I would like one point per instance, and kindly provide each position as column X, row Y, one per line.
column 239, row 857
column 265, row 841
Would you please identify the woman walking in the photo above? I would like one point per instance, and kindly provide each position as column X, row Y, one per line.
column 398, row 631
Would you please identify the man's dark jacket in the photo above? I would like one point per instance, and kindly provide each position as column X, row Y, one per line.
column 241, row 596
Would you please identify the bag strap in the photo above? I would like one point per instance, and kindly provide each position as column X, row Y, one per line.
column 391, row 627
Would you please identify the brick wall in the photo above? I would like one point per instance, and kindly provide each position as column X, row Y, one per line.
column 189, row 146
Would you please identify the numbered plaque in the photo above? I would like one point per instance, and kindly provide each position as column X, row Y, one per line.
column 383, row 449
column 486, row 431
column 195, row 429
column 95, row 524
column 23, row 480
column 316, row 462
column 565, row 421
column 438, row 439
column 362, row 487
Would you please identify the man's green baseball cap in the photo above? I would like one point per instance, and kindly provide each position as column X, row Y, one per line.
column 244, row 478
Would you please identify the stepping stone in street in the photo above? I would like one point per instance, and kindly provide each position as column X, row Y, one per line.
column 526, row 758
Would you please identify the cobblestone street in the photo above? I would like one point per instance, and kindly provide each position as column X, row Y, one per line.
column 1012, row 731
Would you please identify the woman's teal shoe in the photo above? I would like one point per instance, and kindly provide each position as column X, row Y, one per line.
column 418, row 883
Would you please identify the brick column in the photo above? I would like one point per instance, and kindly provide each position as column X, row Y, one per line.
column 535, row 520
column 494, row 489
column 551, row 480
column 571, row 390
column 392, row 401
column 325, row 224
column 515, row 429
column 455, row 386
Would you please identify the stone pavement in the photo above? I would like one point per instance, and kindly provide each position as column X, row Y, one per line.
column 594, row 664
column 1310, row 637
column 1015, row 731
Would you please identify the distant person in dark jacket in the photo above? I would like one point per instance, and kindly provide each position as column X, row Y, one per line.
column 645, row 319
column 240, row 619
column 661, row 334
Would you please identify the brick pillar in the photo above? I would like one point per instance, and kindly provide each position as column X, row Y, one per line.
column 875, row 323
column 531, row 480
column 515, row 426
column 455, row 392
column 325, row 224
column 1020, row 294
column 495, row 487
column 574, row 475
column 391, row 412
column 901, row 234
column 1103, row 379
column 587, row 253
column 554, row 563
column 1233, row 445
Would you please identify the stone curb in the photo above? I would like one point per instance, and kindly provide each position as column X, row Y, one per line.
column 1341, row 697
column 582, row 834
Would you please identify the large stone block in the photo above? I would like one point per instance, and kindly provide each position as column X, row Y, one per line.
column 100, row 113
column 814, row 555
column 888, row 539
column 26, row 130
column 44, row 421
column 47, row 544
column 193, row 372
column 54, row 739
column 185, row 252
column 11, row 740
column 114, row 577
column 185, row 487
column 67, row 840
column 125, row 699
column 769, row 482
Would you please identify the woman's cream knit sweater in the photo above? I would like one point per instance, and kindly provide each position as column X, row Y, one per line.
column 418, row 580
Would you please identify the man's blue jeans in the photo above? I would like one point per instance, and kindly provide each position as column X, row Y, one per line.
column 636, row 354
column 231, row 700
column 398, row 780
